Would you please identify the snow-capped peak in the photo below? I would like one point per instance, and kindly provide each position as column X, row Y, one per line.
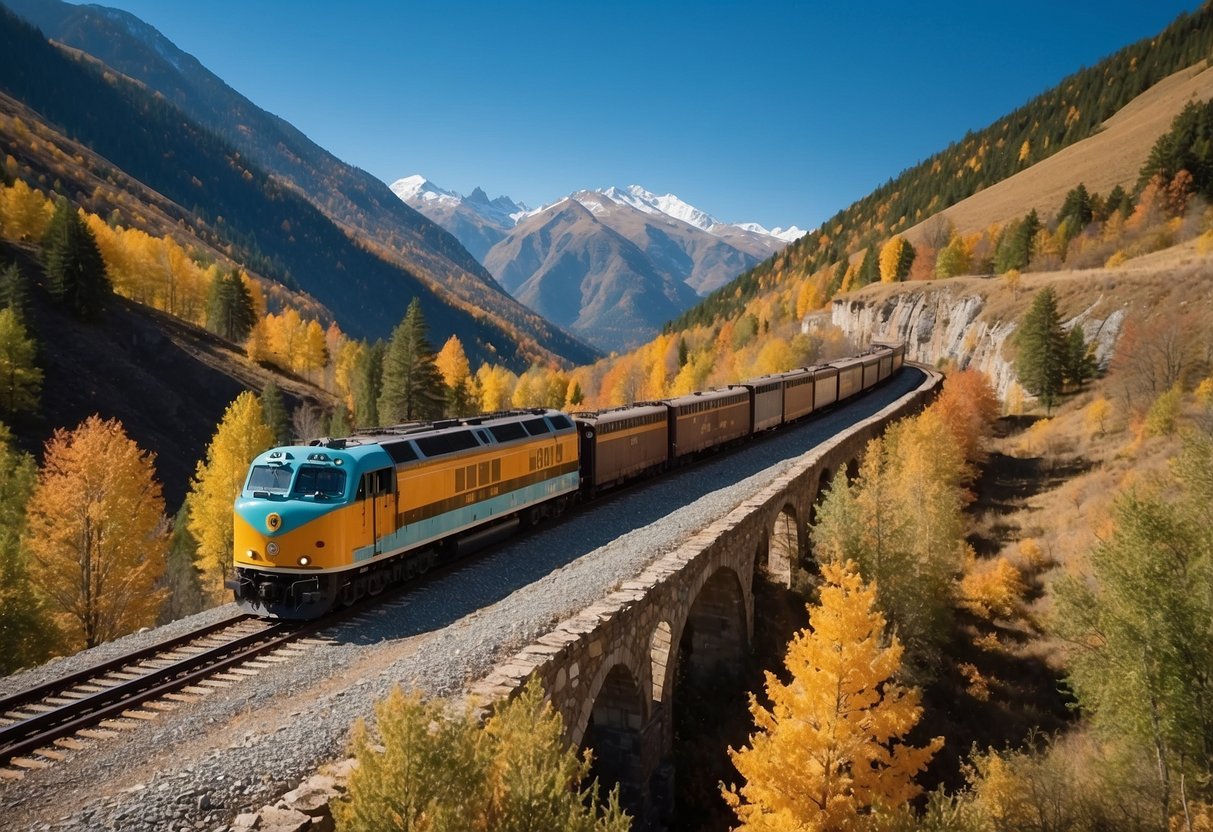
column 668, row 204
column 788, row 235
column 418, row 187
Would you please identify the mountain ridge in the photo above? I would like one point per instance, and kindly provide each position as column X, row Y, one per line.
column 358, row 205
column 680, row 242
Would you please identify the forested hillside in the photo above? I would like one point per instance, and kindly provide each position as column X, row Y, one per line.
column 231, row 201
column 1070, row 112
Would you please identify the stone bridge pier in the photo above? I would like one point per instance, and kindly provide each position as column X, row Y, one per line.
column 611, row 670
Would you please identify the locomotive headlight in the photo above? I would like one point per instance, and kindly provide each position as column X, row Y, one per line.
column 273, row 521
column 271, row 549
column 305, row 560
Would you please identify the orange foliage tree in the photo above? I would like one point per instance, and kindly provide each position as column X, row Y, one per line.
column 969, row 408
column 828, row 753
column 96, row 532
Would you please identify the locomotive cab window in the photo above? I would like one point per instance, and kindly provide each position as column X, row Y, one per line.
column 271, row 479
column 324, row 483
column 375, row 484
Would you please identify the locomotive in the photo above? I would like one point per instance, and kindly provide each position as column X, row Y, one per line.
column 319, row 526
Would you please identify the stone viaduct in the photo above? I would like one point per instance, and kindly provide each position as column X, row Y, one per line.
column 611, row 670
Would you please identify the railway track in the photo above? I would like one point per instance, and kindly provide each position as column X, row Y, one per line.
column 45, row 724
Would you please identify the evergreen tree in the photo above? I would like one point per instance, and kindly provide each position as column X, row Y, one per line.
column 20, row 377
column 1188, row 145
column 26, row 630
column 840, row 272
column 1141, row 628
column 1015, row 245
column 230, row 312
column 1080, row 359
column 828, row 752
column 1077, row 208
column 75, row 272
column 367, row 382
column 274, row 410
column 412, row 386
column 1119, row 200
column 182, row 579
column 339, row 422
column 14, row 290
column 869, row 269
column 1042, row 349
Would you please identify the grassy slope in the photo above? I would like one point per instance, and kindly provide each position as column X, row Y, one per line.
column 1109, row 158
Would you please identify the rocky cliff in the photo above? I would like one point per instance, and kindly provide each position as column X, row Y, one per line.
column 968, row 322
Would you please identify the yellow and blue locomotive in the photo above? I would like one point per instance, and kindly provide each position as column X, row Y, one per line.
column 321, row 525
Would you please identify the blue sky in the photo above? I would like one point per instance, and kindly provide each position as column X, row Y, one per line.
column 778, row 113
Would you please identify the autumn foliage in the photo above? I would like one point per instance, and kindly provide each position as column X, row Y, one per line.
column 241, row 435
column 96, row 532
column 828, row 754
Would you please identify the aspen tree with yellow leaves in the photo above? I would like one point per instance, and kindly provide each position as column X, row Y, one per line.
column 828, row 754
column 241, row 435
column 896, row 258
column 24, row 212
column 96, row 533
column 452, row 363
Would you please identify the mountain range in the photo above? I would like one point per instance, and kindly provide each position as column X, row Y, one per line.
column 361, row 235
column 610, row 265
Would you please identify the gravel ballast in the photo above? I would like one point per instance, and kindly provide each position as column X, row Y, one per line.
column 241, row 747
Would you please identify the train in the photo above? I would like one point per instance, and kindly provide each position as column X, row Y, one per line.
column 321, row 525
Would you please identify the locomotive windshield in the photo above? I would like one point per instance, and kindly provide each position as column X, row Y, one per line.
column 314, row 481
column 274, row 479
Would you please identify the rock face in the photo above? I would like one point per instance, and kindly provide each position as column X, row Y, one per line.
column 951, row 324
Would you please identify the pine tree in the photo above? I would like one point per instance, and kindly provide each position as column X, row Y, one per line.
column 1042, row 349
column 1140, row 628
column 20, row 377
column 274, row 411
column 182, row 580
column 26, row 630
column 1080, row 359
column 229, row 308
column 14, row 291
column 95, row 530
column 869, row 269
column 412, row 387
column 75, row 272
column 240, row 436
column 367, row 382
column 827, row 754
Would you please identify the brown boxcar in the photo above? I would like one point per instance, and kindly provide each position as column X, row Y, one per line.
column 850, row 376
column 797, row 394
column 622, row 443
column 897, row 355
column 825, row 386
column 705, row 420
column 766, row 401
column 871, row 370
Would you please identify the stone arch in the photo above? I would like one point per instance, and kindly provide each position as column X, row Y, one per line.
column 715, row 633
column 614, row 730
column 783, row 546
column 853, row 469
column 659, row 657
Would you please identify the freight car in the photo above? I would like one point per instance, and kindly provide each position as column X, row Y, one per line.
column 319, row 526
